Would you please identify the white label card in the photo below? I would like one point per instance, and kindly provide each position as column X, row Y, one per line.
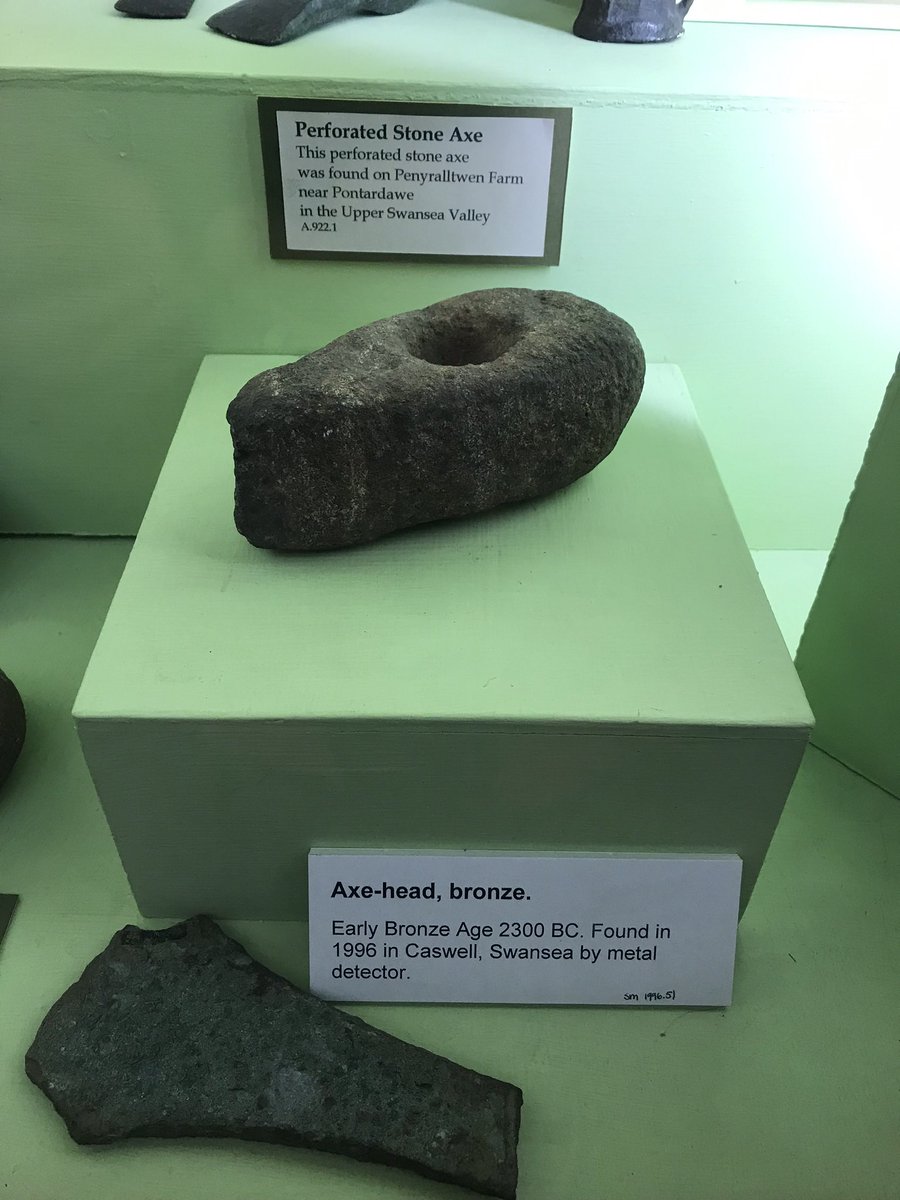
column 517, row 928
column 439, row 181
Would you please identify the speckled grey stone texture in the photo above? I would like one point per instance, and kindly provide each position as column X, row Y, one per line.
column 12, row 725
column 272, row 22
column 180, row 1033
column 480, row 400
column 157, row 9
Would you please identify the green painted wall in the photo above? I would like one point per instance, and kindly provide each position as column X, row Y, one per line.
column 720, row 197
column 849, row 656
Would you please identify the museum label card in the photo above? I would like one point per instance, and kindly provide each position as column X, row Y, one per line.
column 414, row 181
column 419, row 927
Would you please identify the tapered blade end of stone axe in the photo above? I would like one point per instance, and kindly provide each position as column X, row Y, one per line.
column 178, row 1032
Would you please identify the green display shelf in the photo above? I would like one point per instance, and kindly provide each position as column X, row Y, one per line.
column 849, row 657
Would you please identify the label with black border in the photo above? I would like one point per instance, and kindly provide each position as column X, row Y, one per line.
column 414, row 181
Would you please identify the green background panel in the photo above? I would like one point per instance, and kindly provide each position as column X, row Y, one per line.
column 849, row 656
column 721, row 197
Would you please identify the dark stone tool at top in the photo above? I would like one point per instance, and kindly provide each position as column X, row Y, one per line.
column 162, row 9
column 631, row 20
column 271, row 22
column 480, row 400
column 178, row 1032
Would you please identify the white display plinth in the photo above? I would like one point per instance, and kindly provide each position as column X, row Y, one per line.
column 595, row 670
